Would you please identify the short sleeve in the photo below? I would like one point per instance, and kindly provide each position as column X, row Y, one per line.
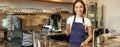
column 68, row 20
column 88, row 22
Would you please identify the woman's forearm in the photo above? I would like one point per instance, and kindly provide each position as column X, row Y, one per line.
column 67, row 31
column 89, row 34
column 88, row 39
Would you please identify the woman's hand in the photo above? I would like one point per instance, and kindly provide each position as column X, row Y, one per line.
column 67, row 30
column 84, row 44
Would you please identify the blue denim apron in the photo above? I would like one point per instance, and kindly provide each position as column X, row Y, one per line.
column 78, row 33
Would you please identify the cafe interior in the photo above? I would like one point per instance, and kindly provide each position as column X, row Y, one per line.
column 45, row 22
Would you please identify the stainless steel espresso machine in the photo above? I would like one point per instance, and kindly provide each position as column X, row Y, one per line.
column 95, row 14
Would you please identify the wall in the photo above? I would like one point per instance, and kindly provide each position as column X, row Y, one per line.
column 111, row 14
column 38, row 4
column 111, row 9
column 35, row 4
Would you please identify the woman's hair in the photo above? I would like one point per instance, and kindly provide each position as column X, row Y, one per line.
column 84, row 11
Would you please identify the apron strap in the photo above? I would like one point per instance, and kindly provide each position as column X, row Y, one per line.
column 74, row 18
column 83, row 19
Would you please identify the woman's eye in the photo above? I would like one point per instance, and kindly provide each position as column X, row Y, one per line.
column 76, row 7
column 81, row 7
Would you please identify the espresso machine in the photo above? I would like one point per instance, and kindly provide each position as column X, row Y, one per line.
column 55, row 19
column 95, row 14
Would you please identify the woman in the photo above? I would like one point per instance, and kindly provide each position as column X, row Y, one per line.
column 78, row 26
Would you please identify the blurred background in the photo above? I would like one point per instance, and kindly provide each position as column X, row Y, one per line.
column 47, row 19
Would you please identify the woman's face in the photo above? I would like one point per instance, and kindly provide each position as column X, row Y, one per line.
column 79, row 8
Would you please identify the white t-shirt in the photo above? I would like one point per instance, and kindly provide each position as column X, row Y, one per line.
column 87, row 21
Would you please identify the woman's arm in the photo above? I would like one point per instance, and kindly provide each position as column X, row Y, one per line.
column 84, row 44
column 67, row 30
column 89, row 28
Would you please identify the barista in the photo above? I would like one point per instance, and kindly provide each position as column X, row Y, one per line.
column 78, row 26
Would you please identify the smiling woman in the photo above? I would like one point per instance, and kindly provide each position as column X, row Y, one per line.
column 78, row 26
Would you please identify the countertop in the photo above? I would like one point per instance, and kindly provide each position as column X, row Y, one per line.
column 114, row 42
column 111, row 42
column 55, row 43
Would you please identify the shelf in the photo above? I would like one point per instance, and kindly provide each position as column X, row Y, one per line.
column 61, row 2
column 25, row 13
column 19, row 12
column 42, row 13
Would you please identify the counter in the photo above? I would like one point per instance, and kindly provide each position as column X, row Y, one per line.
column 111, row 42
column 54, row 39
column 56, row 43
